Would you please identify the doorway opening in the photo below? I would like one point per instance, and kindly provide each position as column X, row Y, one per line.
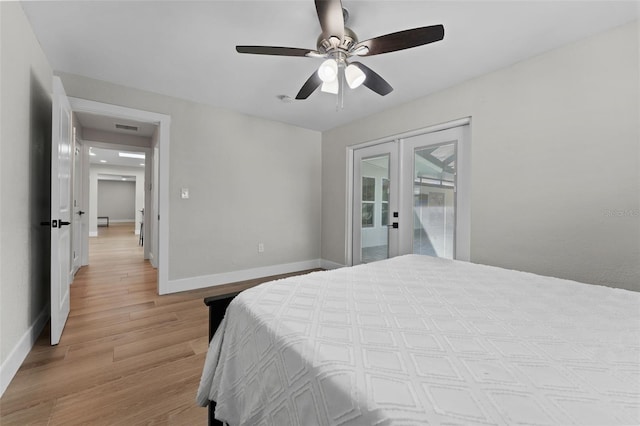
column 117, row 197
column 115, row 130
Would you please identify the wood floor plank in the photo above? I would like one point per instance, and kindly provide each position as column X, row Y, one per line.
column 127, row 355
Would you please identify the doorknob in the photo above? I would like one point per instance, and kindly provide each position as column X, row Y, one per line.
column 80, row 213
column 54, row 223
column 393, row 225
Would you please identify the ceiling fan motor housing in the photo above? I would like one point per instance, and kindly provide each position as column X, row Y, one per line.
column 327, row 45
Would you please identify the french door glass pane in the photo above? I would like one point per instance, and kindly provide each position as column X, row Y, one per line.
column 434, row 180
column 374, row 235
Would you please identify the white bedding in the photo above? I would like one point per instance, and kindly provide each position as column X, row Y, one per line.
column 418, row 340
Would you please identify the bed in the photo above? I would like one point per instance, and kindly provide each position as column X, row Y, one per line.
column 418, row 340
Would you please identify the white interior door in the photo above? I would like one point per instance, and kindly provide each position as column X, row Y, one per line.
column 78, row 212
column 61, row 210
column 375, row 202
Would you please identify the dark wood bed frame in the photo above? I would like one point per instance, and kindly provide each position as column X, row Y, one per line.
column 217, row 307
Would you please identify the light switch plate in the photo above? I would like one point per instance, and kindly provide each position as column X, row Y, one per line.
column 184, row 193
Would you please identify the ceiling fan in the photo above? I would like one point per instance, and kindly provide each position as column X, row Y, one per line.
column 338, row 45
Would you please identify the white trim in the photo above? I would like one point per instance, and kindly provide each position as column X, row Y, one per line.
column 93, row 234
column 348, row 243
column 164, row 132
column 16, row 357
column 429, row 129
column 85, row 204
column 164, row 123
column 205, row 281
column 116, row 146
column 116, row 111
column 327, row 264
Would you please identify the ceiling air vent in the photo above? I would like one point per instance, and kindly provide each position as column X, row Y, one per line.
column 125, row 127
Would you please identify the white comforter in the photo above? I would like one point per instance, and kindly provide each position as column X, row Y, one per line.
column 417, row 340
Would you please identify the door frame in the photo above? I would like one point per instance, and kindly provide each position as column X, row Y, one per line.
column 163, row 122
column 463, row 220
column 78, row 247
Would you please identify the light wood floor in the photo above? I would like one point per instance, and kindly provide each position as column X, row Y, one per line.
column 127, row 356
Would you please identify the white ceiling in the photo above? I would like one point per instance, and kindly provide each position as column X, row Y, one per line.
column 187, row 49
column 110, row 157
column 123, row 178
column 108, row 124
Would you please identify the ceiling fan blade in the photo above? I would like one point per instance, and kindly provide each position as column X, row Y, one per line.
column 374, row 81
column 331, row 18
column 309, row 86
column 398, row 41
column 279, row 51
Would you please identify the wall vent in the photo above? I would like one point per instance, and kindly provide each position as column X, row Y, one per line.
column 125, row 127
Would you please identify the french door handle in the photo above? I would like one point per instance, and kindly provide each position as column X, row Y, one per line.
column 63, row 223
column 393, row 225
column 80, row 213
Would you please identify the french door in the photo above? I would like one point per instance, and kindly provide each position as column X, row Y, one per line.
column 411, row 195
column 375, row 202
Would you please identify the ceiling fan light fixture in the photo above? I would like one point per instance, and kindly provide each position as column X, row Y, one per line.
column 331, row 86
column 328, row 71
column 354, row 75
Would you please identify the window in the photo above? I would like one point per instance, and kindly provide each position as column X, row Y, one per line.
column 368, row 201
column 384, row 220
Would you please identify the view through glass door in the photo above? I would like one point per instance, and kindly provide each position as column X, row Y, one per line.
column 434, row 200
column 375, row 200
column 418, row 179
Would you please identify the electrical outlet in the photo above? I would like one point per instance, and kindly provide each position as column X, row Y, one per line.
column 184, row 193
column 260, row 247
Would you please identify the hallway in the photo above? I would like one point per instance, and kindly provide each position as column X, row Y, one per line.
column 127, row 355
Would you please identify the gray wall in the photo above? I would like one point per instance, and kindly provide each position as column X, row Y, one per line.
column 96, row 170
column 117, row 200
column 25, row 155
column 250, row 180
column 555, row 161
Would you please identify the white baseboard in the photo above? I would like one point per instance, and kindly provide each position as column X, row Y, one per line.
column 204, row 281
column 152, row 260
column 93, row 234
column 10, row 366
column 327, row 264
